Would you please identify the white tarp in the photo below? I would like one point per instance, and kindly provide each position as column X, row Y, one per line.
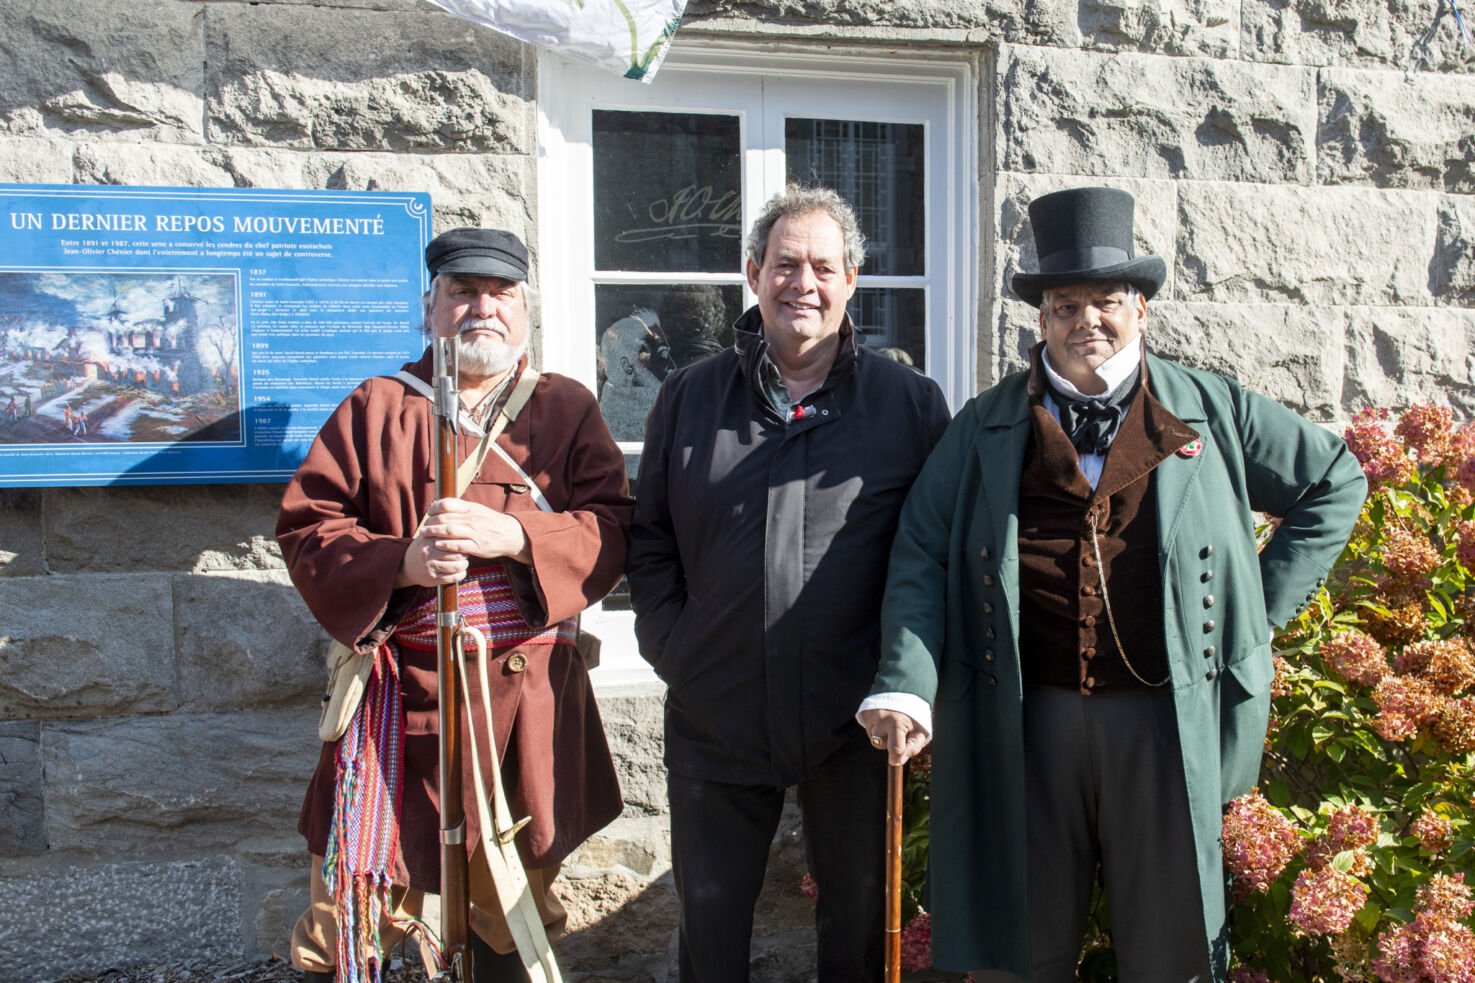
column 628, row 37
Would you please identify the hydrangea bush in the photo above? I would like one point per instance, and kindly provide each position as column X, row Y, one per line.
column 1350, row 861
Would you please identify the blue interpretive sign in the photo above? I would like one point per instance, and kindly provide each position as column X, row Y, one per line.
column 193, row 335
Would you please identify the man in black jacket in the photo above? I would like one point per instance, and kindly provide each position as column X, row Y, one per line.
column 769, row 489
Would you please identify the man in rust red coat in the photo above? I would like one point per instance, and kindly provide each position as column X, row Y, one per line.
column 536, row 536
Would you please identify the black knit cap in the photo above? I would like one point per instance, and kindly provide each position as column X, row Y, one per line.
column 1084, row 235
column 478, row 252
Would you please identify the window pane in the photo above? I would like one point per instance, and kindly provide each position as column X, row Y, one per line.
column 877, row 168
column 645, row 332
column 666, row 192
column 894, row 319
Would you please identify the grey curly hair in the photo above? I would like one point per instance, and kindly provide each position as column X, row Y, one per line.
column 799, row 200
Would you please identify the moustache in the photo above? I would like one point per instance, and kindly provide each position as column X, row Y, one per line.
column 493, row 324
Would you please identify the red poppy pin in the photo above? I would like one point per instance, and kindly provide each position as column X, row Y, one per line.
column 1191, row 449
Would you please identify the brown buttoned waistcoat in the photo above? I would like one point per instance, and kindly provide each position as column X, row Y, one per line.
column 1065, row 638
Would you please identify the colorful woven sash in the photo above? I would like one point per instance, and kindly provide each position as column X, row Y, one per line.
column 363, row 842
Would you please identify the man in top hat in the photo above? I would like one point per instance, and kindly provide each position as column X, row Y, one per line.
column 537, row 535
column 1075, row 591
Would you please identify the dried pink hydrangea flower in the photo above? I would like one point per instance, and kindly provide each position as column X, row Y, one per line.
column 916, row 942
column 1407, row 554
column 1429, row 430
column 1258, row 843
column 1405, row 703
column 1349, row 828
column 1384, row 458
column 1445, row 895
column 1435, row 833
column 1324, row 901
column 1446, row 663
column 1356, row 657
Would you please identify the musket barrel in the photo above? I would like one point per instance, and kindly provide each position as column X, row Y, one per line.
column 454, row 873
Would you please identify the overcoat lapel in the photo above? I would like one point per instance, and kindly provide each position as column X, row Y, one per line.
column 1176, row 475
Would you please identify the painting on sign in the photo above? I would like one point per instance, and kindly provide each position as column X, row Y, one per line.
column 119, row 357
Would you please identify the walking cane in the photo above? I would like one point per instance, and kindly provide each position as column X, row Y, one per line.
column 454, row 873
column 895, row 779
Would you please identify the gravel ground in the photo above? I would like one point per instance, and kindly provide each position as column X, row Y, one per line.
column 274, row 971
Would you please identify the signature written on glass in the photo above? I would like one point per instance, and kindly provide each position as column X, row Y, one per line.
column 690, row 212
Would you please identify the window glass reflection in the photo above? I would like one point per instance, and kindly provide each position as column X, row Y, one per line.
column 645, row 332
column 892, row 320
column 878, row 169
column 667, row 195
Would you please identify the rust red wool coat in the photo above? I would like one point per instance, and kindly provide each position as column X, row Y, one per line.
column 347, row 518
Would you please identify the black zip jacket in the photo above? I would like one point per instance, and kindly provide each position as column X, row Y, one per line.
column 759, row 549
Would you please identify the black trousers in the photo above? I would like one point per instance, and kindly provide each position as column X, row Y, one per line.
column 1104, row 786
column 720, row 836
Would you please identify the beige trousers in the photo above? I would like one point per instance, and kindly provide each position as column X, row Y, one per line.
column 315, row 937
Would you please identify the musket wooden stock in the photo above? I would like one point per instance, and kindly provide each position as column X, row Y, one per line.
column 454, row 872
column 895, row 776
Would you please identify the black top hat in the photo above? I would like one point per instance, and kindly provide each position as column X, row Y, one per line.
column 1084, row 235
column 478, row 252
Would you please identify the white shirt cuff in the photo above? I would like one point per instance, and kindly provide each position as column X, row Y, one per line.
column 908, row 703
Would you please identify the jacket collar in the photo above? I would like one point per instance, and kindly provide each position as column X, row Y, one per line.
column 752, row 349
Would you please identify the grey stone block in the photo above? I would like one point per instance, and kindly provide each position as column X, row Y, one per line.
column 1030, row 21
column 104, row 70
column 1452, row 271
column 35, row 160
column 641, row 844
column 1396, row 34
column 633, row 722
column 185, row 913
column 1170, row 27
column 1240, row 242
column 1396, row 357
column 613, row 916
column 156, row 164
column 22, row 809
column 286, row 75
column 245, row 640
column 1072, row 112
column 85, row 646
column 21, row 550
column 1396, row 129
column 1291, row 353
column 196, row 528
column 190, row 784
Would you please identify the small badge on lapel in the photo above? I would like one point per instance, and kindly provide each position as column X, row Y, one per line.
column 1191, row 449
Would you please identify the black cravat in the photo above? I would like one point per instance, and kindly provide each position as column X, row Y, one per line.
column 1091, row 422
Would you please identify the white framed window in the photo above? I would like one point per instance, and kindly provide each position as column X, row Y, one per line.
column 646, row 193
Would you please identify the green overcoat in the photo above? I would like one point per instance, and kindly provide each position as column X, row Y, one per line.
column 950, row 630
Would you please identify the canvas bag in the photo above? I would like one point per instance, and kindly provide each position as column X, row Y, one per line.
column 348, row 669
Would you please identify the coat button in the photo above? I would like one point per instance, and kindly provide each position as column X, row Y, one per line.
column 1088, row 653
column 1089, row 621
column 1206, row 552
column 993, row 680
column 1209, row 625
column 1088, row 591
column 517, row 662
column 1209, row 652
column 989, row 634
column 988, row 580
column 988, row 655
column 988, row 608
column 983, row 553
column 1206, row 576
column 1209, row 600
column 1090, row 680
column 1212, row 674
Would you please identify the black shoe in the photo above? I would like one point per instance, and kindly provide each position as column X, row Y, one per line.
column 490, row 966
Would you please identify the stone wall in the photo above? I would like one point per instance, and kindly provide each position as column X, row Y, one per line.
column 1306, row 168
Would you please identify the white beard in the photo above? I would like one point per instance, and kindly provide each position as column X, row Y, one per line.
column 488, row 356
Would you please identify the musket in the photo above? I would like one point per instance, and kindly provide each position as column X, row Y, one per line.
column 455, row 901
